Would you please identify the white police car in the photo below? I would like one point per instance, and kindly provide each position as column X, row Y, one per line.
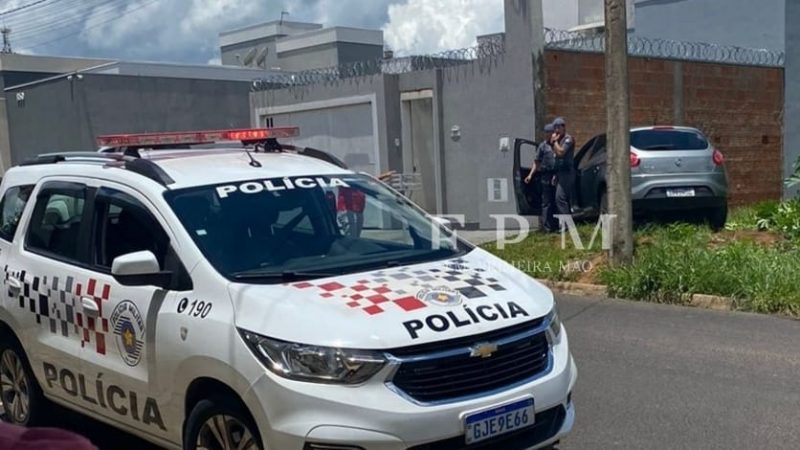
column 264, row 297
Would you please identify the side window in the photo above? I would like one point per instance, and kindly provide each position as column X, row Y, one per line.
column 599, row 153
column 585, row 154
column 56, row 222
column 11, row 207
column 123, row 225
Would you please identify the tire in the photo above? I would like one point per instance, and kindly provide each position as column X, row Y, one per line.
column 225, row 416
column 717, row 218
column 20, row 392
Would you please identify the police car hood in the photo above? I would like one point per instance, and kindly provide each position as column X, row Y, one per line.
column 395, row 307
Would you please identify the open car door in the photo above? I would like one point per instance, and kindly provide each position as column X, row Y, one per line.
column 529, row 196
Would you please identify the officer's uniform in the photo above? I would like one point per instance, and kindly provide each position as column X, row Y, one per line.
column 565, row 173
column 546, row 159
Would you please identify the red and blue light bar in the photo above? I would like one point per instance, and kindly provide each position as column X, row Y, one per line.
column 196, row 137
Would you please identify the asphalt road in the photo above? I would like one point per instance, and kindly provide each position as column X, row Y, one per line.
column 662, row 377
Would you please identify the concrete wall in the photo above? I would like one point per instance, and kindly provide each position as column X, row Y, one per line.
column 738, row 107
column 74, row 112
column 485, row 100
column 744, row 23
column 791, row 127
column 309, row 58
column 326, row 96
column 350, row 52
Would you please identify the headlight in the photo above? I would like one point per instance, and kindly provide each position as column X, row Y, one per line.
column 313, row 363
column 555, row 322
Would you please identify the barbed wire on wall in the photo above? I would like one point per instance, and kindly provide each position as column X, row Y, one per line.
column 487, row 48
column 588, row 41
column 494, row 45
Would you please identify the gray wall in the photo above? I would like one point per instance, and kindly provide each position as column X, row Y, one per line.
column 744, row 23
column 791, row 120
column 350, row 52
column 73, row 112
column 387, row 101
column 308, row 58
column 488, row 100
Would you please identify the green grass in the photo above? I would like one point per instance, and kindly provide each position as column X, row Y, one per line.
column 542, row 256
column 673, row 261
column 682, row 259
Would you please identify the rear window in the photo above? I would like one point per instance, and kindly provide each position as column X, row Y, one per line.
column 668, row 140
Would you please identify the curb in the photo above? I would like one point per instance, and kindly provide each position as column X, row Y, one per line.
column 702, row 301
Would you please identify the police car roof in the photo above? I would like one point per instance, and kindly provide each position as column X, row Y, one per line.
column 182, row 159
column 183, row 168
column 198, row 168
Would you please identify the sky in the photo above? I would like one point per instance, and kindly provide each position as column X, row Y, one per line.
column 187, row 30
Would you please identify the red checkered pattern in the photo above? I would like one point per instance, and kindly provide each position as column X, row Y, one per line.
column 396, row 288
column 94, row 330
column 371, row 297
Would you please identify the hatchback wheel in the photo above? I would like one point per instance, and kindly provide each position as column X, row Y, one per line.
column 717, row 218
column 220, row 424
column 22, row 400
column 604, row 203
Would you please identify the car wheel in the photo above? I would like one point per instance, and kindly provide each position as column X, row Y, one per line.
column 717, row 218
column 22, row 401
column 219, row 424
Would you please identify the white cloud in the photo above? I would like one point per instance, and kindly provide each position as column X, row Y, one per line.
column 187, row 30
column 427, row 26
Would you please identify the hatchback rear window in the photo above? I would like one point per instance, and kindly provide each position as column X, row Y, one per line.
column 668, row 140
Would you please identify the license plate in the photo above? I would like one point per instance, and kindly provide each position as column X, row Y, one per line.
column 500, row 420
column 680, row 193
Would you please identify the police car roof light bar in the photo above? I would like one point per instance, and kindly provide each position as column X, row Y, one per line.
column 196, row 137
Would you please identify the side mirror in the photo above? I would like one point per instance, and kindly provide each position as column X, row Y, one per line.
column 139, row 269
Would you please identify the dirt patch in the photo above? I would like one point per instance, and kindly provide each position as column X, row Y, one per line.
column 761, row 238
column 589, row 269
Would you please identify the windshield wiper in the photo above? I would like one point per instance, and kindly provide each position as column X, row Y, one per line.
column 286, row 275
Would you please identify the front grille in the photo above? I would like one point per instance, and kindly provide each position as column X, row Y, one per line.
column 453, row 377
column 545, row 426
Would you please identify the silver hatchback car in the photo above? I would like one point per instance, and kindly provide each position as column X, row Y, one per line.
column 673, row 169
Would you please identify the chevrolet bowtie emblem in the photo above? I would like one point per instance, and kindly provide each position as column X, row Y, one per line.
column 483, row 350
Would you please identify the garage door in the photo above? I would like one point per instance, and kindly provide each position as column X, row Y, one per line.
column 345, row 131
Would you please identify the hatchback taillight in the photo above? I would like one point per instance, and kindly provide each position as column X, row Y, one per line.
column 718, row 158
column 635, row 161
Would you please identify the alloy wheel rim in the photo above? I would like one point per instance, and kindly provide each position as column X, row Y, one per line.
column 223, row 432
column 14, row 390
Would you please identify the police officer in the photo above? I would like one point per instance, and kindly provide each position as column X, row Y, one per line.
column 544, row 163
column 564, row 148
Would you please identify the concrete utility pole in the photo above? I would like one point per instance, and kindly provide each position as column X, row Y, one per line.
column 618, row 131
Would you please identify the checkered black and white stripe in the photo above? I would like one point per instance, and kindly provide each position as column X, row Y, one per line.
column 397, row 288
column 56, row 303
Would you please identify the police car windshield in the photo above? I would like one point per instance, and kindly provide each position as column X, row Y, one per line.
column 265, row 230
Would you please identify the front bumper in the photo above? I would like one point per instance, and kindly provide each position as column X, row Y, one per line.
column 291, row 414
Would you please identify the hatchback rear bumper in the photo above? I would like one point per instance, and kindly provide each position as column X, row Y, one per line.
column 651, row 192
column 677, row 204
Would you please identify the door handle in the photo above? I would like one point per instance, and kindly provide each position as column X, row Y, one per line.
column 90, row 306
column 14, row 284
